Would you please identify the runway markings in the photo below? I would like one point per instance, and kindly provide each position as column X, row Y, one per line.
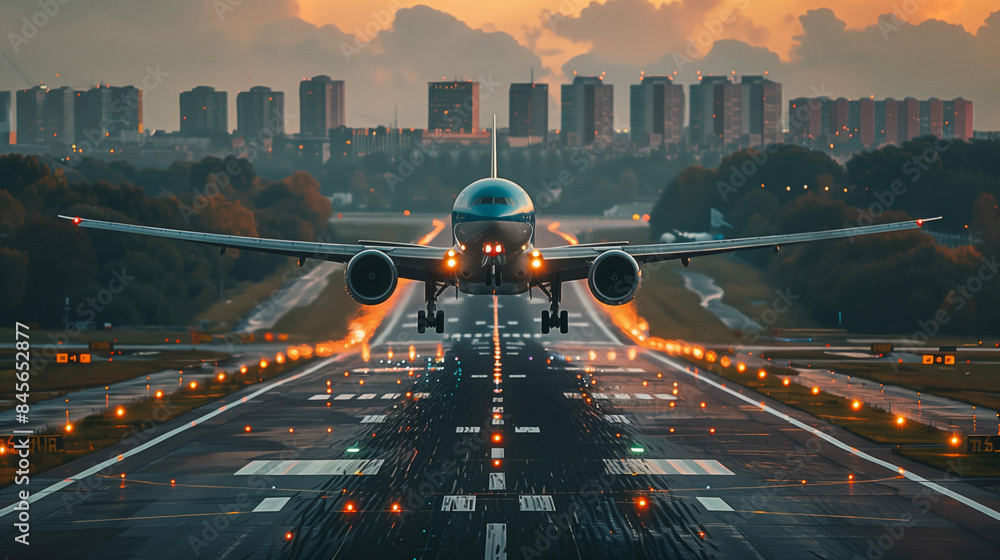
column 497, row 399
column 496, row 453
column 537, row 503
column 478, row 376
column 527, row 430
column 53, row 488
column 344, row 396
column 498, row 481
column 459, row 503
column 665, row 397
column 573, row 395
column 319, row 397
column 325, row 467
column 599, row 395
column 517, row 376
column 496, row 541
column 421, row 395
column 498, row 409
column 373, row 419
column 367, row 397
column 643, row 396
column 467, row 430
column 271, row 504
column 498, row 421
column 665, row 467
column 621, row 396
column 391, row 396
column 714, row 504
column 836, row 442
column 617, row 419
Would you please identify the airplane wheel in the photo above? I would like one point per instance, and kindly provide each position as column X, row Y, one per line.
column 564, row 322
column 439, row 321
column 421, row 321
column 545, row 322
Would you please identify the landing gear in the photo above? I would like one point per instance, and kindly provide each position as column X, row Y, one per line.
column 432, row 317
column 552, row 317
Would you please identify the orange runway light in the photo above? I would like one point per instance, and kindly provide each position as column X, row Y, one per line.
column 159, row 394
column 955, row 440
column 243, row 369
column 762, row 374
column 349, row 506
column 703, row 405
column 193, row 385
column 856, row 405
column 247, row 428
column 395, row 507
column 741, row 367
column 672, row 404
column 291, row 430
column 221, row 376
column 850, row 477
column 263, row 364
column 711, row 430
column 288, row 536
column 815, row 390
column 496, row 463
column 900, row 420
column 496, row 438
column 69, row 428
column 671, row 430
column 120, row 411
column 785, row 382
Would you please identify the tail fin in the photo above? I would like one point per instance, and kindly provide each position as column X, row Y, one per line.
column 493, row 154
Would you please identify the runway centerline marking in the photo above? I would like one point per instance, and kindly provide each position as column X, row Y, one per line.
column 35, row 496
column 317, row 467
column 536, row 503
column 459, row 503
column 836, row 442
column 714, row 504
column 496, row 541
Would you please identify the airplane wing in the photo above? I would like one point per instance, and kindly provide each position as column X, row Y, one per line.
column 572, row 262
column 412, row 261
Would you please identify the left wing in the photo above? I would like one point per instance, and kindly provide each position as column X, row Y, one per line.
column 412, row 261
column 572, row 262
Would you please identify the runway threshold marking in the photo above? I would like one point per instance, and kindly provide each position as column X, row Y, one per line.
column 319, row 397
column 536, row 503
column 373, row 419
column 498, row 481
column 496, row 541
column 459, row 503
column 35, row 496
column 271, row 505
column 527, row 430
column 836, row 442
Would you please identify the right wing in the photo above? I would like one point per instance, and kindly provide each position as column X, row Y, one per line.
column 412, row 261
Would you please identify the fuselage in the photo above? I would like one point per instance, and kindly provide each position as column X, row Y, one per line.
column 493, row 236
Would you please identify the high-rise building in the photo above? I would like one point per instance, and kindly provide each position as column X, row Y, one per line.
column 656, row 111
column 260, row 113
column 932, row 117
column 861, row 122
column 60, row 116
column 716, row 112
column 909, row 119
column 761, row 110
column 836, row 120
column 5, row 124
column 204, row 112
column 588, row 111
column 321, row 106
column 529, row 113
column 453, row 106
column 31, row 115
column 886, row 121
column 962, row 119
column 805, row 120
column 106, row 112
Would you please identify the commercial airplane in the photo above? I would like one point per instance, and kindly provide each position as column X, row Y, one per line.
column 493, row 252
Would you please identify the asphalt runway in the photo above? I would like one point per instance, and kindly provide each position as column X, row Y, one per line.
column 316, row 464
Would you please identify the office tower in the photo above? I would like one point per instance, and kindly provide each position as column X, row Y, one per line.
column 656, row 111
column 932, row 117
column 321, row 105
column 260, row 113
column 716, row 116
column 204, row 112
column 60, row 119
column 529, row 112
column 453, row 106
column 108, row 112
column 31, row 115
column 588, row 111
column 908, row 119
column 805, row 119
column 761, row 111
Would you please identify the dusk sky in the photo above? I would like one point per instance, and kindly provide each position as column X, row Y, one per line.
column 387, row 51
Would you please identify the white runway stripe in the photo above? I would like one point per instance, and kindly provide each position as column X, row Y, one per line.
column 319, row 397
column 367, row 397
column 496, row 541
column 317, row 467
column 665, row 467
column 271, row 504
column 498, row 481
column 714, row 504
column 459, row 503
column 373, row 419
column 344, row 397
column 537, row 503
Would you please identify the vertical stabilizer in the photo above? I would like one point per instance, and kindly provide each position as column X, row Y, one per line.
column 493, row 152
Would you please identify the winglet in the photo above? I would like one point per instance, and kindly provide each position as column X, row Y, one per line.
column 493, row 154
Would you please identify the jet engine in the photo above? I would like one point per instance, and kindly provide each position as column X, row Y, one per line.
column 614, row 278
column 371, row 277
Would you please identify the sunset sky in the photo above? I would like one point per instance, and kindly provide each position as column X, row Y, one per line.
column 387, row 50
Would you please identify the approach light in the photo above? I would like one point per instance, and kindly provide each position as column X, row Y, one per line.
column 193, row 385
column 120, row 412
column 856, row 405
column 900, row 420
column 955, row 440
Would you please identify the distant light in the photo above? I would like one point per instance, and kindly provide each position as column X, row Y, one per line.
column 120, row 411
column 247, row 428
column 193, row 385
column 353, row 449
column 637, row 449
column 77, row 220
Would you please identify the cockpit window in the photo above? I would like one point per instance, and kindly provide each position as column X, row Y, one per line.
column 493, row 200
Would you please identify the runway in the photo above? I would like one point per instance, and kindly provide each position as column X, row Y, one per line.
column 620, row 454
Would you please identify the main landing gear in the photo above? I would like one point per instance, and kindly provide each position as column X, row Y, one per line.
column 432, row 317
column 552, row 317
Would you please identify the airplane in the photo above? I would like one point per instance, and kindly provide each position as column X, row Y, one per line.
column 493, row 252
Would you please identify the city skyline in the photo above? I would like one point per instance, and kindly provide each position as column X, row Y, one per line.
column 389, row 54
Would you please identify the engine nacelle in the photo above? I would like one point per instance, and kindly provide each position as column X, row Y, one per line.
column 371, row 277
column 614, row 277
